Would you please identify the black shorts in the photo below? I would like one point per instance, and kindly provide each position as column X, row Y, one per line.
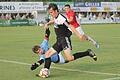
column 62, row 44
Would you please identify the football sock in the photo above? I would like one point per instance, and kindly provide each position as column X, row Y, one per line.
column 47, row 63
column 80, row 54
column 91, row 40
column 41, row 61
column 66, row 61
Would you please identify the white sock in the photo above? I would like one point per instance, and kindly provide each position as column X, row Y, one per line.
column 91, row 40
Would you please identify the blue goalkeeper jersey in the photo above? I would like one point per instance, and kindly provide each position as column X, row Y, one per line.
column 44, row 45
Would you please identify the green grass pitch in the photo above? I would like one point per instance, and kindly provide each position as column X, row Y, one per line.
column 16, row 55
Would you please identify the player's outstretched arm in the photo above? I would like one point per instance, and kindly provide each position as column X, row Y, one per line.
column 48, row 23
column 47, row 33
column 37, row 64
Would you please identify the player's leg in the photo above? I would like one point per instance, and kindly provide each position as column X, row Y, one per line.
column 85, row 37
column 68, row 55
column 50, row 52
column 55, row 58
column 78, row 55
column 88, row 52
column 61, row 59
column 58, row 58
column 48, row 55
column 56, row 48
column 93, row 41
column 66, row 44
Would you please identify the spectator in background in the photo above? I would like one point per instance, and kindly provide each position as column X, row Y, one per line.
column 100, row 15
column 18, row 16
column 13, row 16
column 107, row 15
column 2, row 16
column 8, row 16
column 23, row 17
column 90, row 16
column 103, row 15
column 94, row 16
column 80, row 17
column 35, row 15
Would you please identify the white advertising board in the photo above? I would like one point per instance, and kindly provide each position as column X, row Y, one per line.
column 12, row 7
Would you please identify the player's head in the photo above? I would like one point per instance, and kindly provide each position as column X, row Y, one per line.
column 37, row 49
column 53, row 10
column 67, row 7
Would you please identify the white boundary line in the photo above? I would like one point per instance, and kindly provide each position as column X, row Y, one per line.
column 115, row 78
column 72, row 70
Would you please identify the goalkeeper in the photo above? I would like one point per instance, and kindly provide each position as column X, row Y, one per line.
column 42, row 49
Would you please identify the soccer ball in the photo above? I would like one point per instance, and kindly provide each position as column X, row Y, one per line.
column 44, row 73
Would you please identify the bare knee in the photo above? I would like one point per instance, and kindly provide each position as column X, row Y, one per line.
column 68, row 55
column 83, row 37
column 70, row 58
column 47, row 55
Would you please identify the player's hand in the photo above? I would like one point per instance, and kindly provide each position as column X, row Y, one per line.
column 34, row 66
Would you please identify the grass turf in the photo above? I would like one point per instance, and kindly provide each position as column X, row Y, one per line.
column 16, row 44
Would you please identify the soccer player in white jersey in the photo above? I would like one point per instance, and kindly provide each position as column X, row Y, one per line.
column 63, row 41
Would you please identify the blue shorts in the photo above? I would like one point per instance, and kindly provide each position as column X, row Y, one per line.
column 55, row 58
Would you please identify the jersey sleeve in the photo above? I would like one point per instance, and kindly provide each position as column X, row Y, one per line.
column 44, row 45
column 61, row 19
column 42, row 56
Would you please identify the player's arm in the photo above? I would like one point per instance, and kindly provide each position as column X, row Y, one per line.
column 48, row 23
column 37, row 64
column 47, row 33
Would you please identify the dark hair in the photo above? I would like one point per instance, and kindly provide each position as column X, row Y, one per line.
column 53, row 6
column 35, row 48
column 67, row 5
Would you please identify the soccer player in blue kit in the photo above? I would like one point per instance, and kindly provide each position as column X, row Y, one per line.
column 42, row 49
